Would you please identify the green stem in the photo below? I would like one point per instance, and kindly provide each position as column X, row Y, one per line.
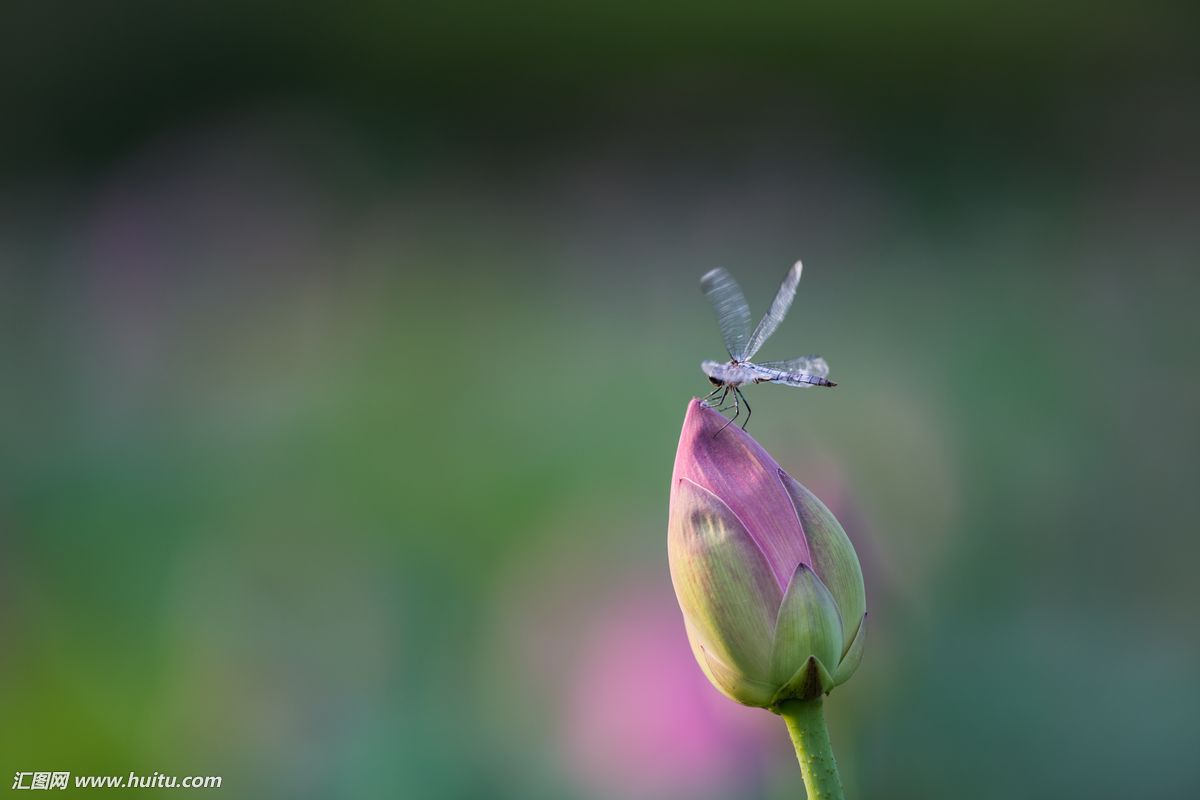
column 806, row 723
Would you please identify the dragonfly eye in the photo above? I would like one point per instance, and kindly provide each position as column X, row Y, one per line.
column 714, row 381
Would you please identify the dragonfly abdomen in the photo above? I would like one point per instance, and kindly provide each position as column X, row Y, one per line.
column 796, row 379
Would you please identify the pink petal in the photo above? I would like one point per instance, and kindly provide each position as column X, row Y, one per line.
column 736, row 469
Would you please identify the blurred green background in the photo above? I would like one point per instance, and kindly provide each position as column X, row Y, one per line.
column 345, row 351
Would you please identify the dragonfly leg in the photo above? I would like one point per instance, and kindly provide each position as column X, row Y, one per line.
column 732, row 388
column 746, row 421
column 712, row 394
column 737, row 412
column 717, row 403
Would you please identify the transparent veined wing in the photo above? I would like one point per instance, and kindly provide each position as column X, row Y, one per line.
column 733, row 315
column 777, row 311
column 813, row 365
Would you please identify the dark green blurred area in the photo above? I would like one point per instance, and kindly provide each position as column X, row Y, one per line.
column 345, row 352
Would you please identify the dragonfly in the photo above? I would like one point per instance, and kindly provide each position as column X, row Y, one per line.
column 733, row 317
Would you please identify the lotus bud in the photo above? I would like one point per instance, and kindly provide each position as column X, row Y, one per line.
column 769, row 584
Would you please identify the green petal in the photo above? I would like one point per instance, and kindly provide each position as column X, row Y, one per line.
column 833, row 556
column 725, row 588
column 808, row 625
column 734, row 684
column 853, row 656
column 811, row 680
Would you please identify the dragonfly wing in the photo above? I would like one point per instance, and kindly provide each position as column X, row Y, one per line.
column 813, row 365
column 778, row 310
column 733, row 315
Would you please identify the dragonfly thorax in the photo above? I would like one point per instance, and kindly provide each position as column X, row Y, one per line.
column 732, row 372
